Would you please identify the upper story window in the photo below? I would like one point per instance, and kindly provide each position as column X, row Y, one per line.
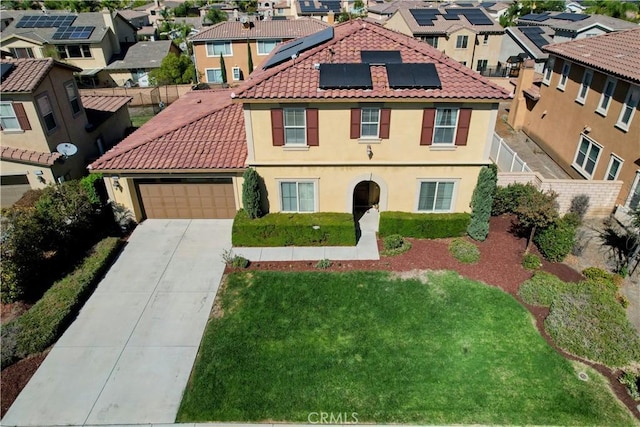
column 628, row 108
column 584, row 87
column 217, row 48
column 587, row 156
column 72, row 95
column 445, row 125
column 370, row 123
column 548, row 71
column 22, row 52
column 605, row 98
column 8, row 117
column 485, row 39
column 74, row 51
column 562, row 83
column 461, row 42
column 237, row 75
column 266, row 46
column 294, row 126
column 46, row 112
column 214, row 75
column 431, row 40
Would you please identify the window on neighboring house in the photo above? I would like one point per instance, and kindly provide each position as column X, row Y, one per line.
column 295, row 128
column 436, row 196
column 614, row 168
column 548, row 71
column 370, row 123
column 266, row 46
column 485, row 40
column 297, row 196
column 628, row 108
column 217, row 48
column 605, row 98
column 482, row 65
column 214, row 75
column 587, row 156
column 584, row 87
column 444, row 131
column 461, row 42
column 633, row 201
column 431, row 40
column 74, row 51
column 562, row 83
column 22, row 52
column 73, row 97
column 236, row 73
column 8, row 117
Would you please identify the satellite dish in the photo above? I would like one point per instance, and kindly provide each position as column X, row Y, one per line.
column 67, row 149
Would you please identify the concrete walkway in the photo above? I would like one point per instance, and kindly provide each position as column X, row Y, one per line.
column 366, row 249
column 128, row 356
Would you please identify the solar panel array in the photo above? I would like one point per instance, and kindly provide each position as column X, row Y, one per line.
column 45, row 21
column 535, row 35
column 378, row 57
column 345, row 76
column 4, row 69
column 424, row 17
column 407, row 76
column 298, row 46
column 310, row 6
column 73, row 33
column 475, row 16
column 536, row 17
column 573, row 17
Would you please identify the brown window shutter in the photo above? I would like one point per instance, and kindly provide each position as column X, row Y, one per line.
column 385, row 122
column 21, row 115
column 428, row 120
column 277, row 127
column 356, row 115
column 463, row 126
column 312, row 127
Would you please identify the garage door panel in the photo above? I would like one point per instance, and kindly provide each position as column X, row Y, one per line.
column 188, row 200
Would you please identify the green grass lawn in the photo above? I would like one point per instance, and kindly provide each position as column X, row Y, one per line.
column 137, row 121
column 452, row 350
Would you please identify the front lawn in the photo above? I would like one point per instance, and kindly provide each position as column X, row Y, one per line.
column 283, row 345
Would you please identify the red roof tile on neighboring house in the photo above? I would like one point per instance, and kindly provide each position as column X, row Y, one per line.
column 201, row 130
column 300, row 80
column 615, row 53
column 28, row 156
column 280, row 28
column 105, row 102
column 27, row 74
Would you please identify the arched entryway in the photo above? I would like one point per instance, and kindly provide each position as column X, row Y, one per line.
column 366, row 194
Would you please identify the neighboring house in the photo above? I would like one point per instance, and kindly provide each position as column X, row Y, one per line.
column 382, row 10
column 323, row 10
column 584, row 113
column 468, row 35
column 571, row 26
column 231, row 37
column 41, row 108
column 136, row 18
column 152, row 9
column 361, row 116
column 140, row 59
column 574, row 7
column 526, row 42
column 147, row 33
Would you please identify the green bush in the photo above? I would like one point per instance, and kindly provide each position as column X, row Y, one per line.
column 598, row 274
column 481, row 202
column 556, row 241
column 531, row 262
column 424, row 226
column 463, row 251
column 323, row 264
column 542, row 289
column 239, row 262
column 251, row 196
column 506, row 199
column 631, row 381
column 395, row 244
column 90, row 185
column 293, row 229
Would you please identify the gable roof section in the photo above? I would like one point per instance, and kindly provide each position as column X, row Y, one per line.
column 524, row 41
column 29, row 156
column 615, row 53
column 143, row 55
column 28, row 73
column 106, row 103
column 444, row 26
column 202, row 130
column 299, row 79
column 271, row 29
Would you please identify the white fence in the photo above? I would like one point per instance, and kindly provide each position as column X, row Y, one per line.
column 506, row 159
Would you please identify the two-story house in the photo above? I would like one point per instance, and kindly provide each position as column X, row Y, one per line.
column 41, row 108
column 140, row 59
column 351, row 117
column 468, row 35
column 583, row 113
column 230, row 38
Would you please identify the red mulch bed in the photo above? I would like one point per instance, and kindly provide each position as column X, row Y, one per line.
column 15, row 377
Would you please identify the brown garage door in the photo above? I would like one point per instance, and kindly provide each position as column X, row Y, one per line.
column 188, row 200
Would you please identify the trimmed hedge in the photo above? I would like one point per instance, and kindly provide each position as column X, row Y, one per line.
column 294, row 229
column 424, row 226
column 556, row 241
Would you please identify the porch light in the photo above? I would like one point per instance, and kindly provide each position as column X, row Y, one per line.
column 369, row 152
column 116, row 182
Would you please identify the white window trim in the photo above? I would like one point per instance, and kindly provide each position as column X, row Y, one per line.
column 632, row 90
column 284, row 127
column 362, row 123
column 212, row 69
column 583, row 99
column 611, row 159
column 266, row 40
column 548, row 71
column 314, row 181
column 564, row 76
column 233, row 73
column 578, row 167
column 634, row 186
column 601, row 110
column 455, row 128
column 206, row 49
column 15, row 116
column 466, row 43
column 454, row 194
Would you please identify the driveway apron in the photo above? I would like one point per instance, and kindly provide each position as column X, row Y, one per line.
column 127, row 357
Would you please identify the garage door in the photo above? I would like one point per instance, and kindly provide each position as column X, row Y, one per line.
column 188, row 200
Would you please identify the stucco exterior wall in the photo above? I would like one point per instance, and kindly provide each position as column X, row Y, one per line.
column 13, row 168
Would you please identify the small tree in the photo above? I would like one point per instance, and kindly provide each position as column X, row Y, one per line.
column 481, row 202
column 251, row 196
column 223, row 69
column 536, row 210
column 250, row 57
column 216, row 15
column 175, row 69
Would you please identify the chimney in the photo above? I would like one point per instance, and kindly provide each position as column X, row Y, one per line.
column 331, row 17
column 109, row 24
column 518, row 111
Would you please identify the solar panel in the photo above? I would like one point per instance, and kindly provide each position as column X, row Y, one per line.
column 424, row 17
column 300, row 45
column 310, row 6
column 573, row 17
column 380, row 57
column 45, row 21
column 535, row 35
column 475, row 16
column 488, row 5
column 536, row 17
column 345, row 76
column 465, row 4
column 405, row 76
column 4, row 69
column 73, row 33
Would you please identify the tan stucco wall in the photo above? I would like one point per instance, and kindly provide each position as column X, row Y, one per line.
column 120, row 77
column 14, row 168
column 100, row 52
column 16, row 42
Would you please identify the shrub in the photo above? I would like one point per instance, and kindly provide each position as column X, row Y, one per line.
column 9, row 348
column 424, row 226
column 464, row 251
column 579, row 206
column 481, row 202
column 535, row 211
column 239, row 262
column 394, row 244
column 542, row 289
column 631, row 382
column 598, row 274
column 289, row 229
column 90, row 185
column 251, row 197
column 506, row 199
column 28, row 199
column 531, row 262
column 323, row 264
column 556, row 241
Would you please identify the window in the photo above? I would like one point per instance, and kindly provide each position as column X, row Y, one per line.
column 482, row 65
column 370, row 123
column 217, row 48
column 22, row 52
column 431, row 40
column 587, row 156
column 584, row 87
column 266, row 46
column 435, row 196
column 73, row 97
column 633, row 201
column 8, row 117
column 444, row 131
column 464, row 63
column 614, row 168
column 74, row 51
column 629, row 107
column 214, row 75
column 485, row 40
column 297, row 196
column 294, row 126
column 562, row 83
column 461, row 42
column 548, row 71
column 605, row 98
column 46, row 112
column 236, row 73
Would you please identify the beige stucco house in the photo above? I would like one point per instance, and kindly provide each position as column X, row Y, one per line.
column 140, row 59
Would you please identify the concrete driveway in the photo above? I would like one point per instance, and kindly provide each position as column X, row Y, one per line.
column 128, row 356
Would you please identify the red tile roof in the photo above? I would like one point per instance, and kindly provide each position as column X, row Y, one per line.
column 29, row 156
column 300, row 80
column 27, row 74
column 280, row 28
column 201, row 130
column 616, row 53
column 105, row 102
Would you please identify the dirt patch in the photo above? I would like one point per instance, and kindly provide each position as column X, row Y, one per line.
column 14, row 378
column 8, row 312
